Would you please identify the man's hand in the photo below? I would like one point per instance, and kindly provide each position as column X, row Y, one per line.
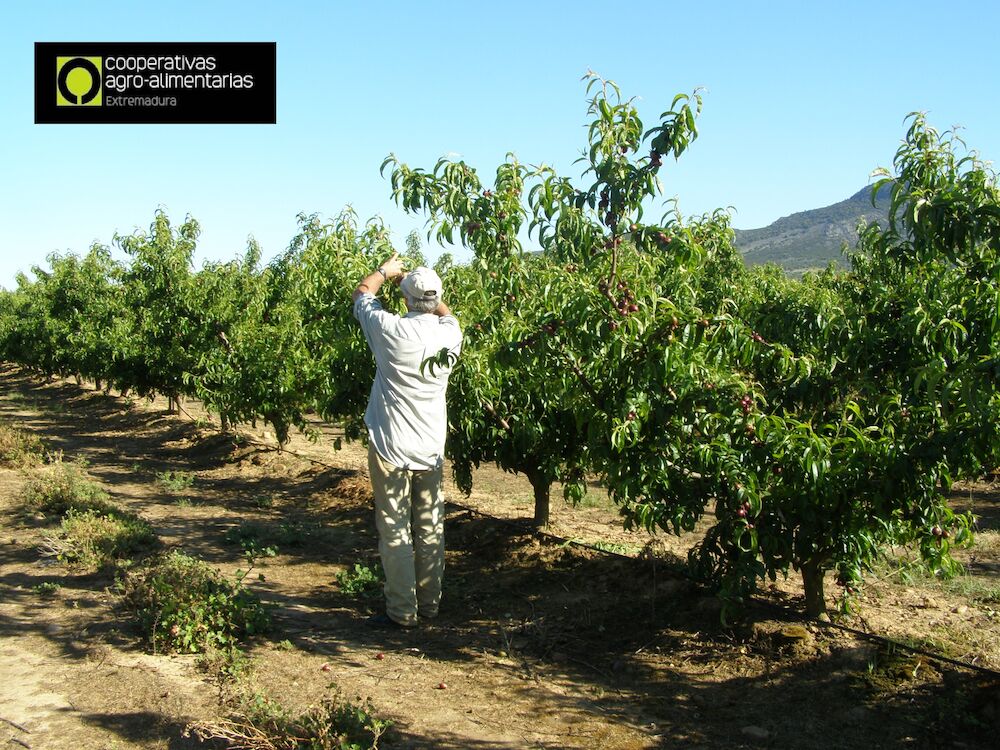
column 373, row 282
column 393, row 267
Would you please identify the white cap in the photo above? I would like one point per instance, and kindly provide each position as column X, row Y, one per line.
column 421, row 283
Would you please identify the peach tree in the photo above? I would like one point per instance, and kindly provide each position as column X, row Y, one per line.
column 646, row 354
column 542, row 327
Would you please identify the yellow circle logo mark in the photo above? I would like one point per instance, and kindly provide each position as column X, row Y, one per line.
column 78, row 81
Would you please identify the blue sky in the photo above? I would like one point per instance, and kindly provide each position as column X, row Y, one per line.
column 802, row 101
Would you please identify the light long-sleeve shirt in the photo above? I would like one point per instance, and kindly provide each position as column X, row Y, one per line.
column 407, row 413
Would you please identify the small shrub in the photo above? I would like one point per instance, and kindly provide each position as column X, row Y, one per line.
column 184, row 605
column 47, row 588
column 261, row 723
column 360, row 580
column 19, row 448
column 226, row 666
column 175, row 481
column 262, row 501
column 65, row 487
column 96, row 538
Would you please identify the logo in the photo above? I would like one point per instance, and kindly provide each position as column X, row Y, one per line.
column 78, row 81
column 155, row 82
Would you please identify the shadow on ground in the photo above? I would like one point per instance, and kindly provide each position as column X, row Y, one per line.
column 594, row 642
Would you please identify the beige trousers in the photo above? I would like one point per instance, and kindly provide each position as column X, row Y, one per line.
column 409, row 515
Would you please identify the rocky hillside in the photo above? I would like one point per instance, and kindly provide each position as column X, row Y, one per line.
column 811, row 239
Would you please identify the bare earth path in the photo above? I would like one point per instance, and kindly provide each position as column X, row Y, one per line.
column 539, row 644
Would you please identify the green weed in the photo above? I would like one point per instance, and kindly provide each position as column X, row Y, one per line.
column 182, row 604
column 47, row 588
column 261, row 723
column 262, row 501
column 175, row 481
column 96, row 538
column 629, row 550
column 360, row 580
column 19, row 448
column 64, row 487
column 912, row 572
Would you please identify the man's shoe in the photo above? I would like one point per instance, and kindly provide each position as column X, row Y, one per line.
column 384, row 621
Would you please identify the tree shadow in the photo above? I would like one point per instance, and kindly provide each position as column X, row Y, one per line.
column 982, row 499
column 574, row 631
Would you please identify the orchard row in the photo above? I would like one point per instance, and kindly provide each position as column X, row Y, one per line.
column 814, row 421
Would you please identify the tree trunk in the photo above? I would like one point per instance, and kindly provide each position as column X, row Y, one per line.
column 97, row 384
column 173, row 405
column 541, row 485
column 79, row 381
column 224, row 421
column 812, row 580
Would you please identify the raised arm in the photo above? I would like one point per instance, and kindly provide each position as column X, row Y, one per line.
column 391, row 269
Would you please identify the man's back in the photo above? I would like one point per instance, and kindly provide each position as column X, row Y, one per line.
column 406, row 415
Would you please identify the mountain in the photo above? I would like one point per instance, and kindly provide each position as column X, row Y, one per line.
column 811, row 239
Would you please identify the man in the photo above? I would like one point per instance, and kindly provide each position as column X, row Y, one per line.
column 407, row 422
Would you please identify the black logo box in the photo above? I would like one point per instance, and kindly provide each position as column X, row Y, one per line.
column 255, row 105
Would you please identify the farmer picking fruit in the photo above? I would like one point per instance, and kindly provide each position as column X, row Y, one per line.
column 407, row 423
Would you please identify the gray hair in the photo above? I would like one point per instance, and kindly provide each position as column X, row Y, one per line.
column 421, row 304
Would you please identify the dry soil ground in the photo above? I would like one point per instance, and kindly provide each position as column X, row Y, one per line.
column 540, row 644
